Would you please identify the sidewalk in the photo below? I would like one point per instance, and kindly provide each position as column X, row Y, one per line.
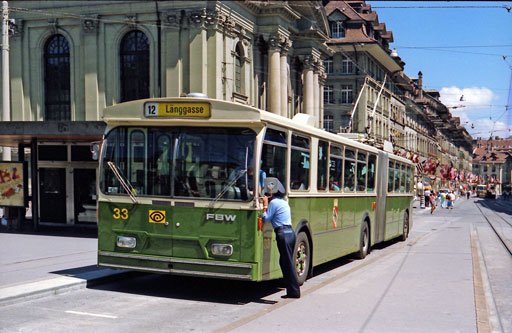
column 34, row 265
column 38, row 264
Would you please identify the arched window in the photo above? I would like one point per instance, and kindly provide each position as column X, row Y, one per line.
column 57, row 90
column 134, row 57
column 239, row 56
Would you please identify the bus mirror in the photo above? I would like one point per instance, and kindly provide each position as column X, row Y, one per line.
column 95, row 150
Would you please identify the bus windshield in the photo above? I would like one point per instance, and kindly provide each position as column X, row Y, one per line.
column 180, row 161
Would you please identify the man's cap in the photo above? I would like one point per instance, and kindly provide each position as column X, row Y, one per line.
column 273, row 185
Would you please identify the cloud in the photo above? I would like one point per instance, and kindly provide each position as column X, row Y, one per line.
column 475, row 111
column 486, row 127
column 472, row 97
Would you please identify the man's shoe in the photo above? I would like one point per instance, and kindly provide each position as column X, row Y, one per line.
column 290, row 296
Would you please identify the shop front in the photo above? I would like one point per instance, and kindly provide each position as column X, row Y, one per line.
column 62, row 174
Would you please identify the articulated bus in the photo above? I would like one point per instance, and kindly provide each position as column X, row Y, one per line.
column 181, row 187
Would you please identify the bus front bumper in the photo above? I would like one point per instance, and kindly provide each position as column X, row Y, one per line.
column 178, row 266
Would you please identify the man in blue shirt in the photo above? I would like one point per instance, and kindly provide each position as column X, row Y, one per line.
column 277, row 211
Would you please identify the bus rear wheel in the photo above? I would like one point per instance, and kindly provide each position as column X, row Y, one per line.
column 302, row 257
column 406, row 227
column 364, row 243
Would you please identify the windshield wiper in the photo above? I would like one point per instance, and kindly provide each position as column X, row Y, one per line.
column 226, row 188
column 125, row 183
column 232, row 182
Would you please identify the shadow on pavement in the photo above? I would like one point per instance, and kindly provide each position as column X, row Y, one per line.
column 210, row 290
column 497, row 205
column 193, row 288
column 82, row 231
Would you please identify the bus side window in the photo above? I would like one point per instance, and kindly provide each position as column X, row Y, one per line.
column 402, row 179
column 361, row 171
column 370, row 182
column 300, row 161
column 408, row 180
column 335, row 168
column 350, row 171
column 322, row 166
column 397, row 177
column 391, row 170
column 273, row 155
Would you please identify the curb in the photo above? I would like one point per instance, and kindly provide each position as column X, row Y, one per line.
column 53, row 286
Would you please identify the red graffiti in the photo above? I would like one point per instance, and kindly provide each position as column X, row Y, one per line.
column 8, row 193
column 8, row 175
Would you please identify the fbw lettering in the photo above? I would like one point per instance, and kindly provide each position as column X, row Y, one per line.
column 221, row 217
column 8, row 175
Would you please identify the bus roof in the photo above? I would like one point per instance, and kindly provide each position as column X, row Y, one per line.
column 221, row 113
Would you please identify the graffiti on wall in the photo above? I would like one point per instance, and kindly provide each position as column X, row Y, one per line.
column 11, row 184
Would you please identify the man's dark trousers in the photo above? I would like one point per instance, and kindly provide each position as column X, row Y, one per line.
column 285, row 238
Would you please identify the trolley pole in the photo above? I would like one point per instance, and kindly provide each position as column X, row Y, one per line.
column 6, row 102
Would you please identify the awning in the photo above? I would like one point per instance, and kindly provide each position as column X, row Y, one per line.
column 13, row 133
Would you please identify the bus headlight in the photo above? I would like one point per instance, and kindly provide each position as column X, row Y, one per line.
column 129, row 242
column 222, row 249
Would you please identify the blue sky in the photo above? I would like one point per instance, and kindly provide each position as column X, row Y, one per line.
column 457, row 51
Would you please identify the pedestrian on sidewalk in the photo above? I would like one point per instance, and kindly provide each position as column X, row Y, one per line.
column 277, row 211
column 443, row 200
column 450, row 200
column 427, row 197
column 468, row 194
column 433, row 205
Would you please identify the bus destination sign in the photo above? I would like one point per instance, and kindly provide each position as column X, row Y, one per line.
column 177, row 110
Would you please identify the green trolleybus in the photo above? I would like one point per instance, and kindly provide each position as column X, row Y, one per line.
column 181, row 185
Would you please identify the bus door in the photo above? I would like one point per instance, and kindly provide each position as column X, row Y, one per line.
column 382, row 184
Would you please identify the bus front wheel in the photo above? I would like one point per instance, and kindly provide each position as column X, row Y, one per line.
column 364, row 243
column 302, row 257
column 406, row 227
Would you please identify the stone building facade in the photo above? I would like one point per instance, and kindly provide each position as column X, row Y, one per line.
column 69, row 60
column 367, row 91
column 492, row 162
column 328, row 59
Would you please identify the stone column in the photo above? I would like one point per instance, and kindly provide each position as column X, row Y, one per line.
column 90, row 28
column 308, row 85
column 322, row 77
column 285, row 46
column 172, row 59
column 316, row 95
column 274, row 74
column 197, row 51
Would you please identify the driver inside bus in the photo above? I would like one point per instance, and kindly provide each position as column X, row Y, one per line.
column 250, row 177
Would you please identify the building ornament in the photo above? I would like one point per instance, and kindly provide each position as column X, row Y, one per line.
column 203, row 18
column 174, row 19
column 244, row 38
column 286, row 44
column 16, row 28
column 52, row 23
column 318, row 67
column 90, row 24
column 322, row 78
column 224, row 24
column 131, row 19
column 308, row 61
column 275, row 41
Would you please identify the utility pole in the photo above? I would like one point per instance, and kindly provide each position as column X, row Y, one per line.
column 6, row 102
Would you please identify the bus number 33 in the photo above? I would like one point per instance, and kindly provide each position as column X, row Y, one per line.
column 120, row 213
